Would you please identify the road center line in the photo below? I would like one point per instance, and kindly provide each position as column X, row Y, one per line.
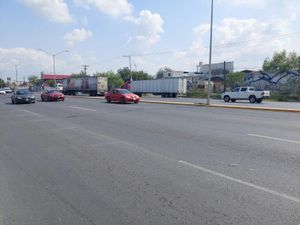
column 274, row 138
column 264, row 189
column 81, row 108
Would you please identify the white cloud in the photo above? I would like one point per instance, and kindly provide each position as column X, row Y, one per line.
column 246, row 41
column 32, row 61
column 115, row 8
column 149, row 28
column 53, row 10
column 76, row 36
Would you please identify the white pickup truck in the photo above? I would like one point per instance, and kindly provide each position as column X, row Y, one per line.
column 245, row 93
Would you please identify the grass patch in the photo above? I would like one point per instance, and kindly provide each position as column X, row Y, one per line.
column 275, row 96
column 200, row 93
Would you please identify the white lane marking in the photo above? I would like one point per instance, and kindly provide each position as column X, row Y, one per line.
column 264, row 189
column 62, row 128
column 81, row 108
column 274, row 138
column 33, row 113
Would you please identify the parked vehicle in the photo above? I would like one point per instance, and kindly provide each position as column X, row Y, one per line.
column 2, row 91
column 122, row 96
column 52, row 95
column 59, row 87
column 8, row 90
column 91, row 85
column 245, row 93
column 167, row 88
column 22, row 96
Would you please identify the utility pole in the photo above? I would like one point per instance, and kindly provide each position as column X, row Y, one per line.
column 224, row 74
column 85, row 68
column 210, row 51
column 129, row 58
column 16, row 66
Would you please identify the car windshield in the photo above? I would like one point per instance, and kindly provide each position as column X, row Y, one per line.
column 23, row 92
column 124, row 91
column 53, row 91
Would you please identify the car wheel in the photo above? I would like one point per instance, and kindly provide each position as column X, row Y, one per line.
column 42, row 99
column 259, row 100
column 108, row 100
column 136, row 102
column 226, row 98
column 48, row 99
column 123, row 101
column 252, row 99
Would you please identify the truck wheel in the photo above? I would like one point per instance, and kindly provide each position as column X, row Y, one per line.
column 252, row 99
column 233, row 100
column 259, row 100
column 226, row 98
column 174, row 95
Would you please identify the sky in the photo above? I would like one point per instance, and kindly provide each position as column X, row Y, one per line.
column 169, row 33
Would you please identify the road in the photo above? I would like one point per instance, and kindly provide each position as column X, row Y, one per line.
column 84, row 161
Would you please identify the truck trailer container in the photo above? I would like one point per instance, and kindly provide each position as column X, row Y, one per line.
column 167, row 88
column 91, row 85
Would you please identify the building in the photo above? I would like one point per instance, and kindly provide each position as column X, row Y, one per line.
column 58, row 77
column 217, row 69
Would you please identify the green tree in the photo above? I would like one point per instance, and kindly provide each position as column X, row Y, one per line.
column 114, row 80
column 51, row 83
column 2, row 83
column 234, row 79
column 161, row 72
column 33, row 80
column 281, row 62
column 81, row 74
column 136, row 75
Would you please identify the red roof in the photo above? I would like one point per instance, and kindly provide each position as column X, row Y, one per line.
column 52, row 77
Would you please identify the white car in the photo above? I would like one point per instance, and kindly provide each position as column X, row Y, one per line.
column 2, row 91
column 245, row 93
column 8, row 90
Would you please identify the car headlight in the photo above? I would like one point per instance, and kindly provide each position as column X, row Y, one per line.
column 18, row 97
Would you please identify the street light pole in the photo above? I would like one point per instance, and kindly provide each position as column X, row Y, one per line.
column 53, row 58
column 129, row 58
column 16, row 66
column 210, row 52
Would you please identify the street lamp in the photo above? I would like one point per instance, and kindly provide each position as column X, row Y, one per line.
column 129, row 58
column 210, row 51
column 53, row 58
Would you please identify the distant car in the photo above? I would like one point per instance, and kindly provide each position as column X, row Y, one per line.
column 22, row 96
column 2, row 91
column 8, row 90
column 52, row 95
column 122, row 96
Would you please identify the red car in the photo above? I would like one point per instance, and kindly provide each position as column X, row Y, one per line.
column 52, row 95
column 122, row 96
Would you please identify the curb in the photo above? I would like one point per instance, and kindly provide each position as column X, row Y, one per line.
column 210, row 106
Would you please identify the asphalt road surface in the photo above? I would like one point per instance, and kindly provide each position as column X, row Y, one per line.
column 84, row 161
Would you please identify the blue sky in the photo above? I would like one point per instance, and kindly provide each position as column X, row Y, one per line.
column 99, row 32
